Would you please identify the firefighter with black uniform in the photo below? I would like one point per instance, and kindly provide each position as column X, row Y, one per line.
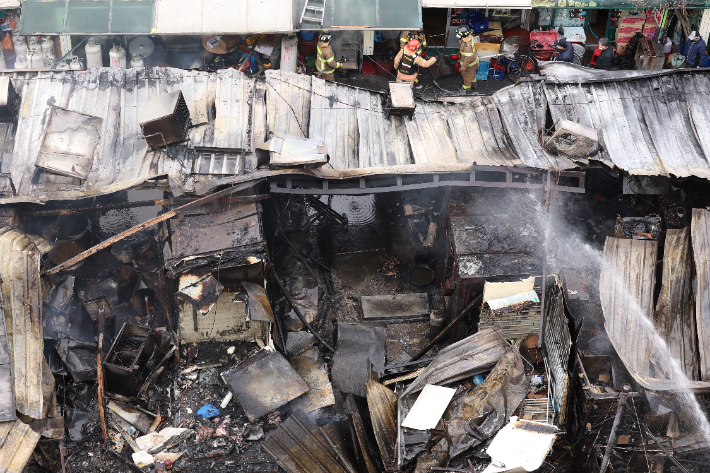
column 325, row 60
column 407, row 63
column 407, row 36
column 468, row 60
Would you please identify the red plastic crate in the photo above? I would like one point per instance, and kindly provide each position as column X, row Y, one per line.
column 368, row 66
column 545, row 38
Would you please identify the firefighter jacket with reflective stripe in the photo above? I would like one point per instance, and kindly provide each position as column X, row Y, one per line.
column 467, row 50
column 405, row 38
column 407, row 65
column 325, row 62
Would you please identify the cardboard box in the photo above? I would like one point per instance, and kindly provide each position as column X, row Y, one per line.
column 629, row 30
column 492, row 47
column 627, row 18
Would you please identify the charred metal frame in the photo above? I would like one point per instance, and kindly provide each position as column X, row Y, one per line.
column 480, row 176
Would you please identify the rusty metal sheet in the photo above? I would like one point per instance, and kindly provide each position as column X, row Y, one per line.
column 230, row 237
column 626, row 286
column 21, row 292
column 675, row 310
column 264, row 382
column 7, row 386
column 258, row 305
column 359, row 352
column 311, row 368
column 465, row 358
column 700, row 233
column 382, row 404
column 299, row 446
column 17, row 441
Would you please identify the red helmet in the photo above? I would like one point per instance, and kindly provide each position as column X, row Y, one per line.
column 413, row 45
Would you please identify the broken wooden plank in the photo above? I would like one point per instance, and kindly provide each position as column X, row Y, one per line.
column 17, row 441
column 700, row 232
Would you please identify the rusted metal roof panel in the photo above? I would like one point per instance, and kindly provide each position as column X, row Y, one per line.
column 523, row 110
column 17, row 441
column 382, row 404
column 700, row 232
column 288, row 103
column 21, row 292
column 626, row 286
column 655, row 125
column 675, row 311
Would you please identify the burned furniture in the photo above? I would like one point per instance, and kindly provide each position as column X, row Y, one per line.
column 134, row 355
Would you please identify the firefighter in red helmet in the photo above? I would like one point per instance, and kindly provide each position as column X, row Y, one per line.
column 407, row 62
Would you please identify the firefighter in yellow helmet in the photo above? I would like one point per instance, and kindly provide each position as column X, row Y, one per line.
column 407, row 63
column 407, row 36
column 469, row 59
column 325, row 60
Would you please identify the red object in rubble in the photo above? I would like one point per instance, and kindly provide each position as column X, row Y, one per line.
column 368, row 66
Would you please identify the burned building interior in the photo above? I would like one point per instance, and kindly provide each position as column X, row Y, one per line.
column 270, row 311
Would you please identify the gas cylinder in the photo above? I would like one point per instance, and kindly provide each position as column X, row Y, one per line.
column 2, row 62
column 117, row 56
column 20, row 62
column 137, row 61
column 34, row 58
column 20, row 44
column 94, row 57
column 62, row 66
column 48, row 61
column 48, row 47
column 289, row 53
column 75, row 64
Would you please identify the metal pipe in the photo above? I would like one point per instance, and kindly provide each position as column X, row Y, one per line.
column 298, row 312
column 541, row 331
column 449, row 327
column 670, row 457
column 612, row 436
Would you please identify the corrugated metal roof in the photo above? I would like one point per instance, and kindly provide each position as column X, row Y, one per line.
column 651, row 125
column 523, row 110
column 21, row 292
column 675, row 311
column 333, row 119
column 220, row 102
column 17, row 441
column 626, row 287
column 220, row 17
column 700, row 233
column 288, row 102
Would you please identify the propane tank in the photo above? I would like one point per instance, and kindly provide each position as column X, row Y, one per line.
column 289, row 53
column 62, row 66
column 48, row 47
column 94, row 58
column 34, row 58
column 20, row 62
column 2, row 62
column 48, row 61
column 75, row 64
column 20, row 44
column 137, row 61
column 117, row 56
column 33, row 43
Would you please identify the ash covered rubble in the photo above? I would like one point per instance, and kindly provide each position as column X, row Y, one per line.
column 300, row 334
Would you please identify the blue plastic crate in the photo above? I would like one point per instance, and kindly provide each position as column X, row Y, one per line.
column 482, row 72
column 496, row 74
column 477, row 21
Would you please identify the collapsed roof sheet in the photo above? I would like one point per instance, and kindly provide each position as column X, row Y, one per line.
column 17, row 441
column 19, row 270
column 626, row 286
column 700, row 233
column 219, row 102
column 649, row 126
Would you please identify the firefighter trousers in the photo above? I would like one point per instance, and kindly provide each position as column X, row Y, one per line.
column 469, row 75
